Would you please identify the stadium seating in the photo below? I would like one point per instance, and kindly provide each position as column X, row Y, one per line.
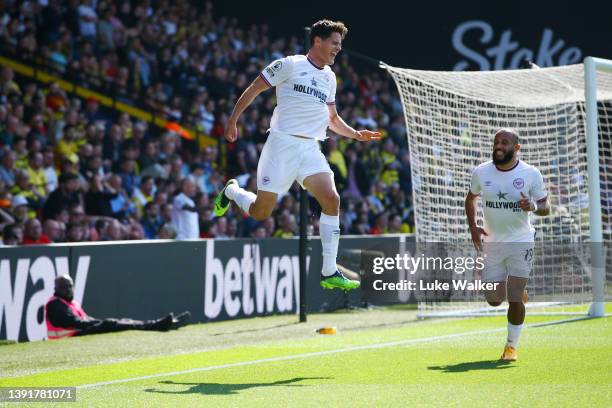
column 180, row 63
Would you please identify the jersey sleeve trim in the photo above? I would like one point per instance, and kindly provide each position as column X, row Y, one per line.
column 475, row 182
column 261, row 74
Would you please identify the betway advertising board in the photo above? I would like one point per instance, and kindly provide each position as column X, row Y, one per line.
column 215, row 280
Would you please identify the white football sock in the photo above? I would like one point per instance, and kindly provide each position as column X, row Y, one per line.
column 514, row 331
column 242, row 197
column 329, row 229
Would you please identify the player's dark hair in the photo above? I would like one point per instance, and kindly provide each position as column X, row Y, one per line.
column 324, row 28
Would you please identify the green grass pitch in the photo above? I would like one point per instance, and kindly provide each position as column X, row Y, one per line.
column 378, row 358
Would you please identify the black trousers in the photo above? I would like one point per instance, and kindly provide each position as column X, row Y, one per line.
column 116, row 325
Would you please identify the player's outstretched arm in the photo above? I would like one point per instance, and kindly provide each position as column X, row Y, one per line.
column 245, row 100
column 339, row 126
column 475, row 230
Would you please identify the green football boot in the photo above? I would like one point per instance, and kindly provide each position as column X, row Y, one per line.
column 338, row 280
column 222, row 203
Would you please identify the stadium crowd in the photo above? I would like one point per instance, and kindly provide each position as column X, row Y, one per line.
column 72, row 170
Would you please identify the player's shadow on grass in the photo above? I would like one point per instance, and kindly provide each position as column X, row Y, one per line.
column 229, row 389
column 473, row 366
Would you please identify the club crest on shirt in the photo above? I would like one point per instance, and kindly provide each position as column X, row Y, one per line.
column 488, row 183
column 518, row 183
column 303, row 73
column 265, row 180
column 277, row 66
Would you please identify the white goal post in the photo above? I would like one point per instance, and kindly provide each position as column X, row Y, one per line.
column 564, row 119
column 591, row 68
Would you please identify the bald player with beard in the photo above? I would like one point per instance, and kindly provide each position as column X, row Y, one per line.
column 511, row 190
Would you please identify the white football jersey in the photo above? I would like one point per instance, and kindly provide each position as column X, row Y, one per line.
column 303, row 91
column 500, row 190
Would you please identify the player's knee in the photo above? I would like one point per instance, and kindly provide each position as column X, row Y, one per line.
column 335, row 200
column 331, row 202
column 495, row 297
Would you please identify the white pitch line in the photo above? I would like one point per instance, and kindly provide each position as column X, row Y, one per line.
column 323, row 353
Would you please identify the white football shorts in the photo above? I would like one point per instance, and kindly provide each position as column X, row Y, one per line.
column 503, row 259
column 287, row 158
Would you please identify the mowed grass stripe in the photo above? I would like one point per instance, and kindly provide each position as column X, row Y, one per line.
column 559, row 365
column 407, row 342
column 246, row 355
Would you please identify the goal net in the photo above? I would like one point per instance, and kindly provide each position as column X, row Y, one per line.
column 451, row 118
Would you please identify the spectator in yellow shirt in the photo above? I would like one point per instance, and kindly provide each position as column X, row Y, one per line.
column 9, row 86
column 336, row 157
column 288, row 226
column 21, row 152
column 23, row 188
column 390, row 163
column 397, row 226
column 67, row 146
column 38, row 178
column 144, row 194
